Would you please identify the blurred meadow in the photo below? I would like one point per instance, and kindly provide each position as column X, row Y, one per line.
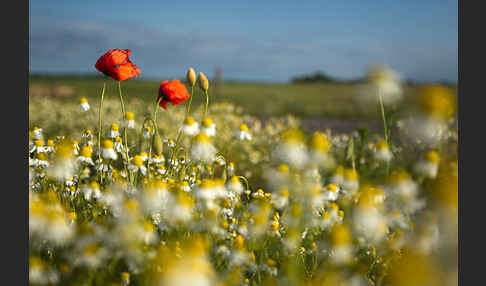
column 307, row 100
column 319, row 105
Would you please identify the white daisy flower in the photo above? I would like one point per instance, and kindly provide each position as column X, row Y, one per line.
column 91, row 191
column 157, row 159
column 50, row 146
column 243, row 133
column 130, row 119
column 137, row 165
column 63, row 167
column 37, row 133
column 108, row 152
column 147, row 131
column 113, row 132
column 383, row 82
column 38, row 146
column 85, row 156
column 292, row 150
column 382, row 152
column 118, row 145
column 202, row 149
column 83, row 104
column 428, row 166
column 208, row 127
column 190, row 127
column 331, row 192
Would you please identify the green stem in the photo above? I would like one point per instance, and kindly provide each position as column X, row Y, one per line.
column 155, row 114
column 100, row 119
column 150, row 147
column 207, row 104
column 179, row 133
column 189, row 103
column 383, row 117
column 245, row 180
column 124, row 129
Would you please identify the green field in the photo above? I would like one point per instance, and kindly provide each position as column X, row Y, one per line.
column 318, row 100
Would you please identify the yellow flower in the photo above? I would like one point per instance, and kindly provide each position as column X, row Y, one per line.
column 129, row 116
column 397, row 176
column 339, row 170
column 293, row 135
column 108, row 144
column 432, row 156
column 137, row 160
column 370, row 195
column 414, row 269
column 351, row 174
column 207, row 122
column 243, row 127
column 381, row 145
column 86, row 152
column 283, row 168
column 437, row 100
column 72, row 216
column 202, row 137
column 64, row 150
column 189, row 121
column 340, row 235
column 320, row 142
column 331, row 188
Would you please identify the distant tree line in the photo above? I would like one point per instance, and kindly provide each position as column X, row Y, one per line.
column 321, row 77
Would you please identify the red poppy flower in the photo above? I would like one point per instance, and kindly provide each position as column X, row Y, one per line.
column 172, row 91
column 116, row 64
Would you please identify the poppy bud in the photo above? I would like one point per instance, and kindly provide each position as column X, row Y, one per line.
column 203, row 82
column 157, row 144
column 191, row 76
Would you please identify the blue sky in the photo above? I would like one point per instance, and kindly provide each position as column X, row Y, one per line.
column 249, row 40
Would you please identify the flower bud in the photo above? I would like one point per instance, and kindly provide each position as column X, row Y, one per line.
column 191, row 76
column 203, row 82
column 157, row 144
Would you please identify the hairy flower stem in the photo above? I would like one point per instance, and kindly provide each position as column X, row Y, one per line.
column 207, row 104
column 188, row 109
column 150, row 147
column 156, row 109
column 154, row 123
column 100, row 120
column 189, row 103
column 125, row 128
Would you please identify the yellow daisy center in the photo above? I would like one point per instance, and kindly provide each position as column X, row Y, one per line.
column 137, row 161
column 319, row 142
column 86, row 152
column 202, row 137
column 243, row 127
column 207, row 122
column 432, row 156
column 189, row 121
column 108, row 144
column 129, row 115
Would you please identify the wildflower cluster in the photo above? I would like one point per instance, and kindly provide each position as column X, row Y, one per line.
column 215, row 197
